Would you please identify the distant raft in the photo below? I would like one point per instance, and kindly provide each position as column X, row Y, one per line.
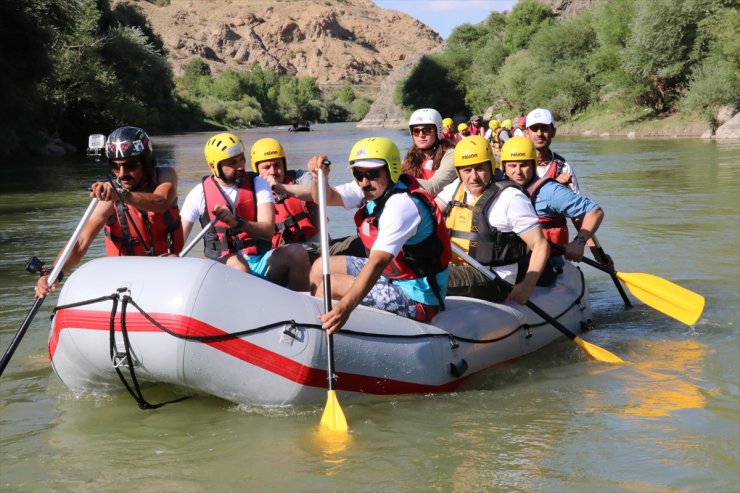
column 197, row 324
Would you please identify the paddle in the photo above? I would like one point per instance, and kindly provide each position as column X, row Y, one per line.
column 593, row 351
column 186, row 249
column 603, row 258
column 671, row 299
column 50, row 282
column 333, row 419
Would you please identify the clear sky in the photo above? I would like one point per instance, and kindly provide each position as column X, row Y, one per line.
column 445, row 15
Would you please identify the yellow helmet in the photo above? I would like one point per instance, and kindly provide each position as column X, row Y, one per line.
column 447, row 122
column 222, row 146
column 506, row 124
column 378, row 148
column 518, row 149
column 265, row 149
column 473, row 150
column 462, row 127
column 494, row 124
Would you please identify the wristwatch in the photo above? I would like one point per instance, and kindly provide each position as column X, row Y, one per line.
column 580, row 240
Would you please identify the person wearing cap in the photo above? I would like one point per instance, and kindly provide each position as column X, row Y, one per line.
column 493, row 221
column 137, row 208
column 553, row 202
column 429, row 159
column 541, row 130
column 476, row 125
column 405, row 271
column 242, row 203
column 520, row 127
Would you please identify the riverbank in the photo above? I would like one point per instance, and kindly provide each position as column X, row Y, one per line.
column 607, row 122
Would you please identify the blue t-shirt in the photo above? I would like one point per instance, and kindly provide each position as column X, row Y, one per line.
column 555, row 200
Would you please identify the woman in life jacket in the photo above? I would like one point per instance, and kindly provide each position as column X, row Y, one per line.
column 430, row 158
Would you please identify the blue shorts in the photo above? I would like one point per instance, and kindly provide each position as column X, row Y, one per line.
column 384, row 295
column 258, row 263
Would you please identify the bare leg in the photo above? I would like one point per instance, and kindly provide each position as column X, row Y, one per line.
column 289, row 266
column 340, row 280
column 235, row 261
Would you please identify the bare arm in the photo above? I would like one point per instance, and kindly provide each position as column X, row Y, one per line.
column 589, row 225
column 157, row 201
column 263, row 227
column 302, row 192
column 366, row 279
column 88, row 234
column 536, row 242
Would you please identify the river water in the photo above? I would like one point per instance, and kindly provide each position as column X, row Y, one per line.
column 668, row 420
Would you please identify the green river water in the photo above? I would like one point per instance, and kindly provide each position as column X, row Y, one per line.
column 668, row 420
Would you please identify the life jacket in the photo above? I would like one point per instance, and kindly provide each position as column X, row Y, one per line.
column 135, row 232
column 555, row 229
column 295, row 219
column 475, row 130
column 219, row 240
column 422, row 260
column 427, row 169
column 470, row 230
column 554, row 166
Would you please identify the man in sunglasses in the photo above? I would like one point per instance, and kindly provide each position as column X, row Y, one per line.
column 137, row 209
column 405, row 271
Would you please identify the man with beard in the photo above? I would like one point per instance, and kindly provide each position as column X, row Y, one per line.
column 138, row 209
column 405, row 271
column 541, row 130
column 242, row 204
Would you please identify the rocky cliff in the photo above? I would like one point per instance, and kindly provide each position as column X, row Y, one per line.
column 334, row 41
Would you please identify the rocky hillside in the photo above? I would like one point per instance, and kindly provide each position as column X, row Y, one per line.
column 335, row 41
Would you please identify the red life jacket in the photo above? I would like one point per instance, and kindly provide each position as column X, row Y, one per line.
column 427, row 169
column 554, row 166
column 220, row 241
column 134, row 232
column 424, row 259
column 295, row 219
column 555, row 229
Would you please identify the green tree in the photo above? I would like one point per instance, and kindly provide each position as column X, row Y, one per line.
column 525, row 19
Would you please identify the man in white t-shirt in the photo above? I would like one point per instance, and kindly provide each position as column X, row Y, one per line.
column 243, row 205
column 405, row 271
column 495, row 223
column 541, row 130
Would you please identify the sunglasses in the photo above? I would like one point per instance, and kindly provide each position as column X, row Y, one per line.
column 372, row 174
column 422, row 131
column 128, row 165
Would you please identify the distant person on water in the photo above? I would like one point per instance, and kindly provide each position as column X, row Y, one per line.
column 447, row 132
column 462, row 132
column 430, row 158
column 405, row 271
column 541, row 130
column 243, row 205
column 476, row 125
column 494, row 222
column 520, row 127
column 492, row 134
column 137, row 209
column 553, row 201
column 504, row 132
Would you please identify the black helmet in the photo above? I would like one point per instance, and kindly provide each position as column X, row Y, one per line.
column 130, row 142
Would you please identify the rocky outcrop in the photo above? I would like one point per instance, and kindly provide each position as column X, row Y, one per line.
column 730, row 130
column 334, row 41
column 566, row 9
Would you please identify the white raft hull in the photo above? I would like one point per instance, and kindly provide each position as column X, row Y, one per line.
column 282, row 360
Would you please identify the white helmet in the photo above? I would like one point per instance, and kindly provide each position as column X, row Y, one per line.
column 426, row 116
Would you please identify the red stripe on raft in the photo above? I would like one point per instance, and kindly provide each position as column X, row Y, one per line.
column 240, row 349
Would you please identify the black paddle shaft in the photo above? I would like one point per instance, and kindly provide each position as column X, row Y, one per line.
column 21, row 332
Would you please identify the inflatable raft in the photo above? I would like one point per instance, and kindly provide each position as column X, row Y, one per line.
column 200, row 325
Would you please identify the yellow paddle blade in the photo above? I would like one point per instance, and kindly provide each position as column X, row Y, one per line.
column 675, row 301
column 333, row 418
column 597, row 353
